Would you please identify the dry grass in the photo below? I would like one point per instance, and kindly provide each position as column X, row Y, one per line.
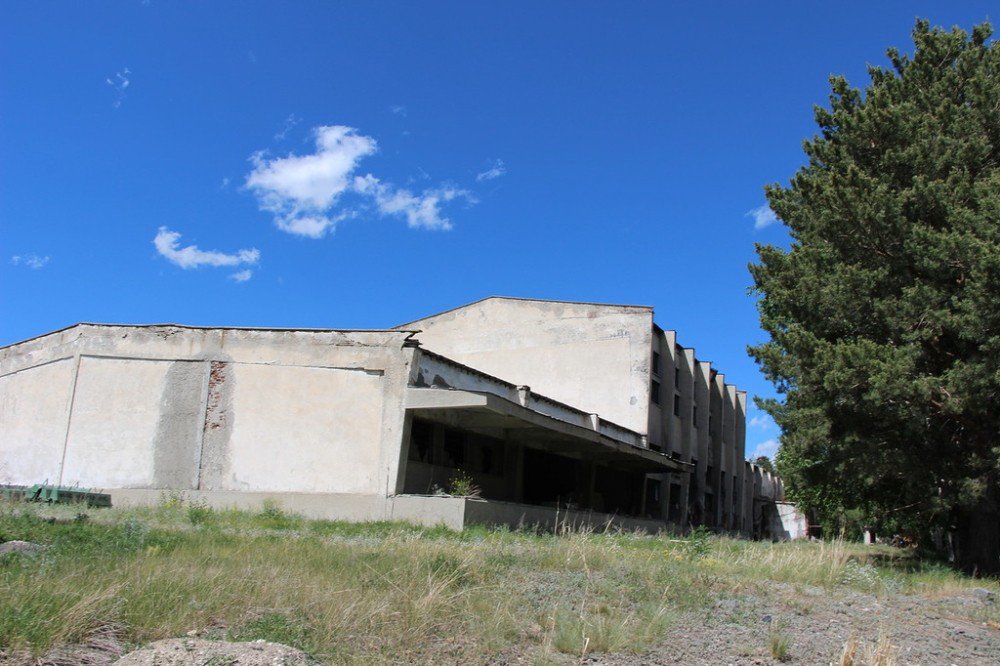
column 391, row 592
column 858, row 653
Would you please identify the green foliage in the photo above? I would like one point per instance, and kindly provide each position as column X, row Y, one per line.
column 698, row 542
column 273, row 627
column 463, row 485
column 882, row 314
column 199, row 513
column 765, row 464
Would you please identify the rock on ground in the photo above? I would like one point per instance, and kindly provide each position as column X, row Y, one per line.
column 200, row 652
column 19, row 547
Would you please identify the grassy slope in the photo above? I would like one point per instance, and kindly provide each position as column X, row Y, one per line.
column 346, row 592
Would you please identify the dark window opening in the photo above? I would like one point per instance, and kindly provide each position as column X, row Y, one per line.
column 694, row 416
column 653, row 509
column 491, row 454
column 674, row 508
column 677, row 378
column 677, row 405
column 454, row 448
column 654, row 393
column 656, row 363
column 421, row 442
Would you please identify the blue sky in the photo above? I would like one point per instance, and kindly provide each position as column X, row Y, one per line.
column 362, row 164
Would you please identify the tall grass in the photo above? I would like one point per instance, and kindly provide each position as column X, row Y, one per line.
column 352, row 593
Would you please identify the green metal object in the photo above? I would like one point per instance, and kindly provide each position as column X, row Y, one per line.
column 43, row 492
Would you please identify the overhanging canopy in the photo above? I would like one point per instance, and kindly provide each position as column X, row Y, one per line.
column 492, row 415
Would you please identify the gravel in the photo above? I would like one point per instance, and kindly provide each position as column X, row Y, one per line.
column 200, row 652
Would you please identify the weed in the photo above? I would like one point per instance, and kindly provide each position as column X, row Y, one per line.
column 463, row 485
column 698, row 543
column 275, row 627
column 778, row 642
column 199, row 513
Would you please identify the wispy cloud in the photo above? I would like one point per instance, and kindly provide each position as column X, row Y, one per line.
column 30, row 260
column 167, row 243
column 304, row 192
column 768, row 448
column 399, row 110
column 120, row 83
column 762, row 216
column 241, row 276
column 421, row 211
column 225, row 183
column 498, row 169
column 762, row 421
column 290, row 122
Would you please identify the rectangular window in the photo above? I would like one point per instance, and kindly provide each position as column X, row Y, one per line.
column 656, row 363
column 654, row 392
column 677, row 405
column 677, row 378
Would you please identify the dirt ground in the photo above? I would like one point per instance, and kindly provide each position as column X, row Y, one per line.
column 816, row 627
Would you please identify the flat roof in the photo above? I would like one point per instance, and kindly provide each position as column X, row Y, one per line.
column 529, row 300
column 412, row 332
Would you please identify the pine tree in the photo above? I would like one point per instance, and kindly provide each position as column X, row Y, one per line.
column 883, row 314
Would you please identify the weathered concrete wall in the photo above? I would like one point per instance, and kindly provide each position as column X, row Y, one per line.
column 169, row 407
column 34, row 406
column 793, row 523
column 593, row 357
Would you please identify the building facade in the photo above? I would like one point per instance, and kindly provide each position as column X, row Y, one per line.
column 551, row 412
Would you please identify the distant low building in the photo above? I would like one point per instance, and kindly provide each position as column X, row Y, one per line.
column 538, row 412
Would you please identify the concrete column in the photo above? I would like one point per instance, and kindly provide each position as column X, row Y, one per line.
column 717, row 401
column 729, row 453
column 404, row 457
column 740, row 446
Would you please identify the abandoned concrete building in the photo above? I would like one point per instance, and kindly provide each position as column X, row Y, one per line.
column 582, row 413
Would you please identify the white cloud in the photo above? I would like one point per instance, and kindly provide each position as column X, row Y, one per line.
column 768, row 448
column 290, row 122
column 421, row 211
column 762, row 216
column 303, row 192
column 399, row 110
column 498, row 169
column 120, row 82
column 241, row 276
column 167, row 243
column 29, row 260
column 762, row 421
column 225, row 183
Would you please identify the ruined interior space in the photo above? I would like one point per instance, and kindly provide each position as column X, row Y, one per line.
column 527, row 469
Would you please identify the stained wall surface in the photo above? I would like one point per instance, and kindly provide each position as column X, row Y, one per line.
column 169, row 407
column 34, row 405
column 593, row 357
